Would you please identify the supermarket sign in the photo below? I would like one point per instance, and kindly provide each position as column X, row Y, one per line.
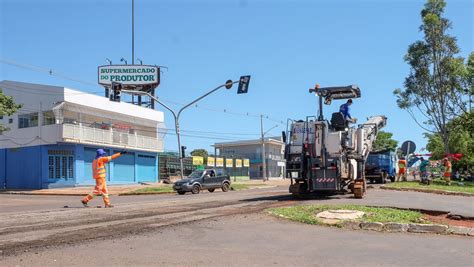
column 132, row 75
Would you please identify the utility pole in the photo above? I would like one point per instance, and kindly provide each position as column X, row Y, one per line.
column 264, row 163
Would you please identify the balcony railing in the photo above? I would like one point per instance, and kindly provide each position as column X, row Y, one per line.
column 89, row 135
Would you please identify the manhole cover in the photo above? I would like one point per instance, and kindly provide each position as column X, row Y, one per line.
column 340, row 214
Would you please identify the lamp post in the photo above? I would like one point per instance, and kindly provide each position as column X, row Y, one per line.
column 264, row 162
column 176, row 115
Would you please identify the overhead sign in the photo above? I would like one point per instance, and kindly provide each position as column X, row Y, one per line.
column 137, row 75
column 211, row 161
column 243, row 84
column 229, row 163
column 219, row 162
column 197, row 160
column 246, row 162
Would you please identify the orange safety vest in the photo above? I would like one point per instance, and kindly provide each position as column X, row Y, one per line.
column 98, row 166
column 448, row 167
column 402, row 164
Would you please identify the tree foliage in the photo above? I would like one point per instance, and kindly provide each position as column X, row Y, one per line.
column 201, row 153
column 437, row 88
column 384, row 141
column 7, row 108
column 461, row 141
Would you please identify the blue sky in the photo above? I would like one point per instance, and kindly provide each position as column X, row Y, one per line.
column 287, row 47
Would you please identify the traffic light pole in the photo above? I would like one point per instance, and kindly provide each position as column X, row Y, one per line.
column 228, row 85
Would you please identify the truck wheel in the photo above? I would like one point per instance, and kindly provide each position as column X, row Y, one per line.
column 181, row 192
column 225, row 187
column 196, row 189
column 211, row 190
column 392, row 179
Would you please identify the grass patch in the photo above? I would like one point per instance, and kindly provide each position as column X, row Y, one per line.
column 237, row 186
column 464, row 187
column 307, row 213
column 151, row 190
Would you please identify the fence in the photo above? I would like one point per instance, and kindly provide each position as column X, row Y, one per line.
column 169, row 165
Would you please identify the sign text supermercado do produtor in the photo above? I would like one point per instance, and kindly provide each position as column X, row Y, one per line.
column 129, row 74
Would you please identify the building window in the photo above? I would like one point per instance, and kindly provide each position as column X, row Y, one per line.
column 10, row 121
column 27, row 120
column 48, row 118
column 61, row 165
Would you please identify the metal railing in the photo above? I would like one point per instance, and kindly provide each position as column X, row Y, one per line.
column 83, row 134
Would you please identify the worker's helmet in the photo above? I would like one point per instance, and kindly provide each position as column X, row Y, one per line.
column 101, row 152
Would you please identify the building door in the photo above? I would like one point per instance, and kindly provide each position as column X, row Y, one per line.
column 89, row 156
column 124, row 168
column 146, row 168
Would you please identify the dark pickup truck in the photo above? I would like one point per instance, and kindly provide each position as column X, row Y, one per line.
column 198, row 180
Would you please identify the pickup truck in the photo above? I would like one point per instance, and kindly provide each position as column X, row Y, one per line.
column 198, row 180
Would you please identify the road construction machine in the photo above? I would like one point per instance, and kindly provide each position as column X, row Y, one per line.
column 328, row 157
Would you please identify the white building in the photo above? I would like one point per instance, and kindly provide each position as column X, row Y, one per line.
column 53, row 138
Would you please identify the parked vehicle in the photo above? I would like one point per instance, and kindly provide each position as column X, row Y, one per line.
column 380, row 166
column 210, row 179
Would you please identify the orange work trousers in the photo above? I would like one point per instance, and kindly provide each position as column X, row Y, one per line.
column 100, row 189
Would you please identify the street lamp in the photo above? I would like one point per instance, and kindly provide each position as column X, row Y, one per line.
column 264, row 162
column 243, row 83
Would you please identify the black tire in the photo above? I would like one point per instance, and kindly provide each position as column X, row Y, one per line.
column 392, row 179
column 211, row 190
column 225, row 187
column 196, row 189
column 181, row 192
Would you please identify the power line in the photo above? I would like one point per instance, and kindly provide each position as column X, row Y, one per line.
column 68, row 77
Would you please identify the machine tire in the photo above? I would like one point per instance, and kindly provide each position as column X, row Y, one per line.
column 360, row 192
column 196, row 189
column 181, row 192
column 225, row 187
column 211, row 189
column 383, row 177
column 392, row 179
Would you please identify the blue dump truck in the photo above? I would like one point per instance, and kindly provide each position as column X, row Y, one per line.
column 381, row 166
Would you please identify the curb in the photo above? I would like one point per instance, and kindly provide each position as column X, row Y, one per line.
column 408, row 227
column 430, row 191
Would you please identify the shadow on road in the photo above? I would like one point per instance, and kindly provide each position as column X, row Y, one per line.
column 289, row 197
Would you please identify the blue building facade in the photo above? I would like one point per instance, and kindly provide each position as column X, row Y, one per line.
column 68, row 165
column 53, row 138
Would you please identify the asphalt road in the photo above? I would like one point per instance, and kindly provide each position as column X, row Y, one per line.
column 258, row 240
column 416, row 200
column 221, row 228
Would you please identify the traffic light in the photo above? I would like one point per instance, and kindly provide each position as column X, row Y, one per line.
column 243, row 84
column 183, row 151
column 116, row 90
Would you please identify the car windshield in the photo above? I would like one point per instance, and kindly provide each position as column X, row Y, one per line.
column 195, row 174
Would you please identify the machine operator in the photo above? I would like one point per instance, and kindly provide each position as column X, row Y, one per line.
column 344, row 109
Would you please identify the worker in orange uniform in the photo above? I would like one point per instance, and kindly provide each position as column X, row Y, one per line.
column 99, row 173
column 402, row 164
column 448, row 168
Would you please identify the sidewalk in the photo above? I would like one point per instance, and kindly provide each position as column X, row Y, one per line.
column 120, row 189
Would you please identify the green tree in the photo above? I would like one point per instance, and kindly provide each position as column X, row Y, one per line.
column 384, row 141
column 200, row 152
column 461, row 141
column 7, row 108
column 437, row 88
